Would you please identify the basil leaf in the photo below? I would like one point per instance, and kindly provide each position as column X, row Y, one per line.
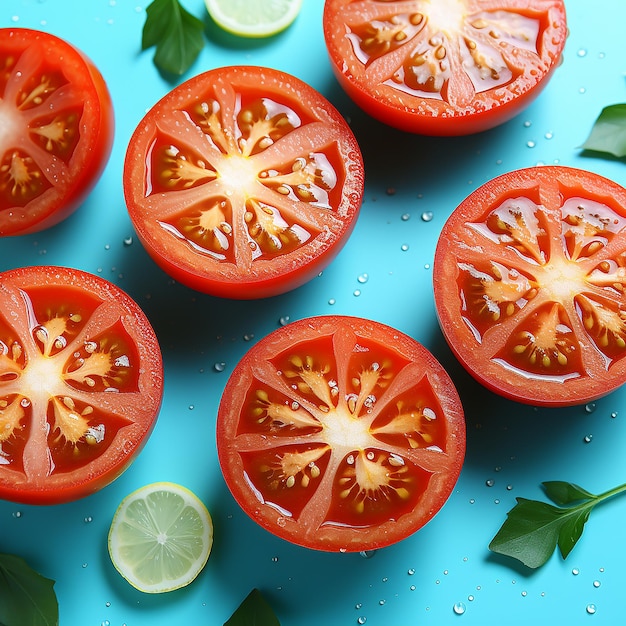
column 253, row 611
column 177, row 35
column 26, row 597
column 571, row 530
column 561, row 492
column 530, row 532
column 609, row 132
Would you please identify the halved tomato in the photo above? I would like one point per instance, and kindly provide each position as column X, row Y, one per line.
column 81, row 383
column 340, row 434
column 243, row 182
column 56, row 129
column 529, row 282
column 444, row 67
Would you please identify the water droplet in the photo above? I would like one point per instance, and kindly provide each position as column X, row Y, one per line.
column 490, row 482
column 588, row 438
column 405, row 217
column 590, row 408
column 128, row 241
column 591, row 609
column 367, row 554
column 575, row 571
column 412, row 588
column 582, row 90
column 85, row 565
column 361, row 620
column 274, row 559
column 411, row 571
column 248, row 337
column 527, row 124
column 219, row 367
column 613, row 414
column 596, row 583
column 107, row 246
column 472, row 501
column 88, row 519
column 356, row 293
column 363, row 278
column 530, row 144
column 17, row 514
column 358, row 605
column 582, row 52
column 427, row 216
column 459, row 608
column 191, row 407
column 524, row 594
column 284, row 320
column 332, row 301
column 549, row 135
column 106, row 623
column 509, row 487
column 382, row 602
column 404, row 247
column 470, row 598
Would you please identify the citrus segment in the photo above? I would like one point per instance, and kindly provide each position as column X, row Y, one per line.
column 160, row 537
column 251, row 18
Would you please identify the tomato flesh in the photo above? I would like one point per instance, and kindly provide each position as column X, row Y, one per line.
column 444, row 67
column 340, row 434
column 243, row 182
column 80, row 383
column 56, row 129
column 529, row 281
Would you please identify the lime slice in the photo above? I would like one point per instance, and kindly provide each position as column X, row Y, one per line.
column 253, row 18
column 160, row 537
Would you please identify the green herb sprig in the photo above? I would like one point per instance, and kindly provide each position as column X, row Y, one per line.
column 26, row 597
column 534, row 529
column 608, row 133
column 177, row 35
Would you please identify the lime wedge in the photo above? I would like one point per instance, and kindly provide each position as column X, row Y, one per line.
column 160, row 537
column 253, row 18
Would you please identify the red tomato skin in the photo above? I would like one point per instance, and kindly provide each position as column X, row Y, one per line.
column 139, row 407
column 428, row 116
column 329, row 538
column 269, row 277
column 550, row 186
column 97, row 128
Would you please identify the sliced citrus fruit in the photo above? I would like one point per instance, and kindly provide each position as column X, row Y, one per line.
column 253, row 18
column 160, row 537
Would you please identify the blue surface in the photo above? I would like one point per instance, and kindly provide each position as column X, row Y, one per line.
column 383, row 273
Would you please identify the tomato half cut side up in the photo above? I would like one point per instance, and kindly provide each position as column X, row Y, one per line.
column 56, row 129
column 444, row 67
column 340, row 434
column 81, row 381
column 529, row 280
column 243, row 182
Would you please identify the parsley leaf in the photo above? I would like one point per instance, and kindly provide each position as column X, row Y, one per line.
column 253, row 611
column 177, row 35
column 533, row 529
column 609, row 132
column 26, row 597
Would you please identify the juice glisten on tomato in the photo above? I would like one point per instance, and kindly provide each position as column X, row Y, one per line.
column 340, row 434
column 56, row 129
column 530, row 279
column 243, row 182
column 81, row 381
column 444, row 67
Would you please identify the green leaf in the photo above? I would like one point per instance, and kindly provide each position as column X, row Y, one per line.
column 253, row 611
column 609, row 131
column 530, row 533
column 572, row 529
column 177, row 35
column 562, row 492
column 26, row 597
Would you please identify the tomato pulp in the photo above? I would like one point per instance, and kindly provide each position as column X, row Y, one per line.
column 243, row 182
column 80, row 383
column 444, row 67
column 56, row 129
column 340, row 434
column 529, row 279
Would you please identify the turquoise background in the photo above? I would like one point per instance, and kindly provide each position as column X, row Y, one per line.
column 383, row 273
